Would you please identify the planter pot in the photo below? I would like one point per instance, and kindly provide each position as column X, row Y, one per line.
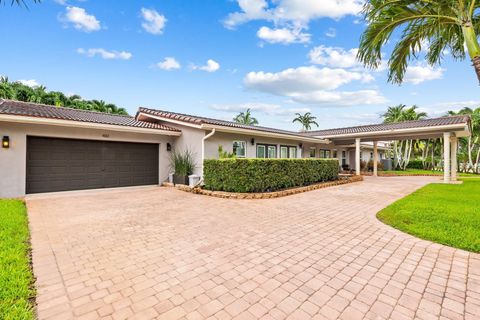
column 179, row 179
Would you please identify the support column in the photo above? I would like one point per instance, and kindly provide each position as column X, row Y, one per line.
column 446, row 157
column 357, row 156
column 453, row 156
column 375, row 158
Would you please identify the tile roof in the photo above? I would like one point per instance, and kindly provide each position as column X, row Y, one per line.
column 435, row 122
column 203, row 120
column 29, row 109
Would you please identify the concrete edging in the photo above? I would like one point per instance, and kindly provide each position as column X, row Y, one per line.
column 264, row 195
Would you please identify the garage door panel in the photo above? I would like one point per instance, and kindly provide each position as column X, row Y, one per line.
column 67, row 164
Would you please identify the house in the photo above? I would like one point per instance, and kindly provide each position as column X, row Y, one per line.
column 47, row 148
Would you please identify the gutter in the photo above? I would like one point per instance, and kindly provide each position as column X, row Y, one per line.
column 203, row 149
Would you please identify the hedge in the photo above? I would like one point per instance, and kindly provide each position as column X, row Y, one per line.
column 415, row 164
column 266, row 175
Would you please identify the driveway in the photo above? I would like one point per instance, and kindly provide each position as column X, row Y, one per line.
column 161, row 253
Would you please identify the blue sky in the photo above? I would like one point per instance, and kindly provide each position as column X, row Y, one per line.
column 218, row 57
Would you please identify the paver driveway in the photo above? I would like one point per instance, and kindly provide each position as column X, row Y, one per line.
column 162, row 253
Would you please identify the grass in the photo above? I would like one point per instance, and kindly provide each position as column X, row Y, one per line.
column 16, row 279
column 427, row 172
column 444, row 213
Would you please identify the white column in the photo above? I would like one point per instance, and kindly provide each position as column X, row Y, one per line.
column 357, row 156
column 375, row 158
column 453, row 155
column 446, row 157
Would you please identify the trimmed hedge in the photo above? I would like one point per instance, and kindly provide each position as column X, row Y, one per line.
column 266, row 175
column 415, row 164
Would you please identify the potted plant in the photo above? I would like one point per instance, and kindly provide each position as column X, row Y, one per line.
column 183, row 165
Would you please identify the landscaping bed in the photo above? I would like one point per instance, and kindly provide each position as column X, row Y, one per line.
column 266, row 195
column 17, row 291
column 417, row 172
column 443, row 213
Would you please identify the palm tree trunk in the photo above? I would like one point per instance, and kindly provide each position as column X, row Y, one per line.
column 473, row 46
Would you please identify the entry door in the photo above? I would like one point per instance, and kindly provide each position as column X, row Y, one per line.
column 67, row 164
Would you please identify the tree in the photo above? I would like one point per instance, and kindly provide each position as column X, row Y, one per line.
column 433, row 26
column 19, row 2
column 246, row 118
column 470, row 146
column 403, row 149
column 306, row 120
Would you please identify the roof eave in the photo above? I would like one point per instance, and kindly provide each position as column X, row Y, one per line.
column 84, row 124
column 264, row 133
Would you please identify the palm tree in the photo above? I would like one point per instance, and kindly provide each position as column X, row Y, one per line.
column 246, row 118
column 428, row 25
column 305, row 120
column 19, row 2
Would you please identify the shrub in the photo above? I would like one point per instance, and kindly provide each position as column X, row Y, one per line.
column 379, row 165
column 415, row 164
column 182, row 163
column 264, row 175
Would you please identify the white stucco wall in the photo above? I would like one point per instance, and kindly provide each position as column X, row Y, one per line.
column 13, row 160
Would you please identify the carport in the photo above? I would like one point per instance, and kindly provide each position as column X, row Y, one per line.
column 448, row 128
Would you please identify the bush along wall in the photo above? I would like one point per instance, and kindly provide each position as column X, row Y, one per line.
column 266, row 175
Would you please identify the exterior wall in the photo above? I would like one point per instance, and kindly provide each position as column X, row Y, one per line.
column 226, row 141
column 13, row 159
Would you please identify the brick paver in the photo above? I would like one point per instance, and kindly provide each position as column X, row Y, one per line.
column 157, row 253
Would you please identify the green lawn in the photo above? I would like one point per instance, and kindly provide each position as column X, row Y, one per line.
column 16, row 279
column 419, row 171
column 443, row 213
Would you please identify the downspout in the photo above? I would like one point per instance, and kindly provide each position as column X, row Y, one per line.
column 203, row 149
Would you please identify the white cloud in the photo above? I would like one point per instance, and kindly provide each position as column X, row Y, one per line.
column 169, row 63
column 81, row 20
column 302, row 79
column 105, row 54
column 211, row 66
column 331, row 32
column 340, row 98
column 422, row 72
column 297, row 12
column 31, row 83
column 334, row 57
column 283, row 35
column 314, row 85
column 441, row 108
column 265, row 108
column 153, row 22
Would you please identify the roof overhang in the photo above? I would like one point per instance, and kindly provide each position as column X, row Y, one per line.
column 226, row 129
column 86, row 125
column 460, row 130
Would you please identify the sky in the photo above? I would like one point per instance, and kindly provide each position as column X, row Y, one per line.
column 216, row 58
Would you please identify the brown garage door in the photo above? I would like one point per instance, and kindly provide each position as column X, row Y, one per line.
column 67, row 164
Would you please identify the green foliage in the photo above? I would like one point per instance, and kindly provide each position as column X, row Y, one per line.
column 422, row 26
column 225, row 154
column 182, row 163
column 39, row 94
column 306, row 120
column 263, row 175
column 415, row 164
column 16, row 279
column 445, row 213
column 246, row 118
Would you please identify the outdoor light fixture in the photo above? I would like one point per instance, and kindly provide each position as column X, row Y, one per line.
column 6, row 142
column 169, row 146
column 252, row 141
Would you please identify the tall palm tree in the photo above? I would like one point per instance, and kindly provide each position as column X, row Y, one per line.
column 19, row 2
column 431, row 25
column 306, row 120
column 246, row 118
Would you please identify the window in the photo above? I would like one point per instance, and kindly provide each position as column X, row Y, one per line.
column 324, row 153
column 335, row 155
column 261, row 151
column 292, row 152
column 371, row 155
column 240, row 149
column 266, row 151
column 344, row 158
column 313, row 152
column 283, row 152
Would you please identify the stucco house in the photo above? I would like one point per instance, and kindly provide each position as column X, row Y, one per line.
column 47, row 148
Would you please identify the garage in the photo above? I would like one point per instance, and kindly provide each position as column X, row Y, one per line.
column 55, row 164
